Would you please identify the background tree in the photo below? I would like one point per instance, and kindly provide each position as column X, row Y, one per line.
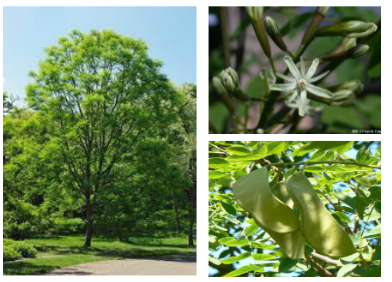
column 347, row 179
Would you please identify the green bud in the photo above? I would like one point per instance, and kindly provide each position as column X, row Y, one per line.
column 256, row 16
column 351, row 29
column 352, row 53
column 358, row 50
column 345, row 103
column 346, row 44
column 342, row 95
column 274, row 32
column 218, row 85
column 255, row 13
column 229, row 79
column 354, row 85
column 319, row 15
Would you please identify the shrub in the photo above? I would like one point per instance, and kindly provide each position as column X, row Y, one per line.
column 9, row 254
column 26, row 250
column 14, row 250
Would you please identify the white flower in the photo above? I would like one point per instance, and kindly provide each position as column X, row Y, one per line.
column 308, row 108
column 301, row 83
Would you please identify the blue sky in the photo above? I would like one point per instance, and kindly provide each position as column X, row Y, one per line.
column 170, row 34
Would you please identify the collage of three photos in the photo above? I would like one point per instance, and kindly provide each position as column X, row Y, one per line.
column 101, row 121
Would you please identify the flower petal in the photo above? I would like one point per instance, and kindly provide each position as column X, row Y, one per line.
column 314, row 79
column 292, row 97
column 312, row 69
column 302, row 67
column 302, row 103
column 285, row 77
column 292, row 67
column 321, row 92
column 283, row 87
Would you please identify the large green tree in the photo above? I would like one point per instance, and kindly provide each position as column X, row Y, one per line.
column 100, row 95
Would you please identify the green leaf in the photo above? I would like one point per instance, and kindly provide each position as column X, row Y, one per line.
column 287, row 265
column 276, row 147
column 289, row 172
column 346, row 270
column 363, row 155
column 239, row 271
column 295, row 24
column 214, row 260
column 231, row 242
column 373, row 273
column 324, row 145
column 342, row 216
column 229, row 208
column 213, row 174
column 260, row 257
column 239, row 151
column 375, row 192
column 237, row 258
column 348, row 259
column 263, row 246
column 375, row 232
column 217, row 163
column 346, row 199
column 252, row 229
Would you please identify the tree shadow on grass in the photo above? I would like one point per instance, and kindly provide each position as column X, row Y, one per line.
column 159, row 254
column 25, row 268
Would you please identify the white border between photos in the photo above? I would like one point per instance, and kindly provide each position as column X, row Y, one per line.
column 202, row 121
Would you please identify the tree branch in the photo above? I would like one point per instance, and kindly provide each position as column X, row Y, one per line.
column 325, row 162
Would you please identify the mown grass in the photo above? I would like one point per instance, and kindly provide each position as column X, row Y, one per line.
column 68, row 250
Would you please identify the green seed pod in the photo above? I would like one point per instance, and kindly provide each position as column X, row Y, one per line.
column 293, row 243
column 319, row 228
column 280, row 191
column 253, row 194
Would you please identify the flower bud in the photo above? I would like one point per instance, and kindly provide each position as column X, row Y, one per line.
column 342, row 95
column 260, row 131
column 352, row 53
column 345, row 103
column 319, row 15
column 351, row 29
column 229, row 79
column 255, row 13
column 274, row 32
column 256, row 16
column 358, row 51
column 218, row 85
column 346, row 44
column 354, row 85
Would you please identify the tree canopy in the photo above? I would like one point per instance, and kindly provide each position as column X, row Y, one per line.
column 103, row 132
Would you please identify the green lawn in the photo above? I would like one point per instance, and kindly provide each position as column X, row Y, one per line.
column 65, row 251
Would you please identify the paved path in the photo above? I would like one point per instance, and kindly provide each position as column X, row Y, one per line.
column 130, row 267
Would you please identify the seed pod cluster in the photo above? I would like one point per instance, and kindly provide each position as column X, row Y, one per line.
column 276, row 210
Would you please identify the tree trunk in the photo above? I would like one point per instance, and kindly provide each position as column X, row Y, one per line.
column 89, row 222
column 190, row 230
column 178, row 226
column 192, row 212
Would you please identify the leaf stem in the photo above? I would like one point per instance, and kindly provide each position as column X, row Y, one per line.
column 325, row 162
